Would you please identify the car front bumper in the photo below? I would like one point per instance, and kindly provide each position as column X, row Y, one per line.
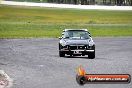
column 77, row 52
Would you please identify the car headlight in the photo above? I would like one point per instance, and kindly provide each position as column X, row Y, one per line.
column 91, row 43
column 63, row 43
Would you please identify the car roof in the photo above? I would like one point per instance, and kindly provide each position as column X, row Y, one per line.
column 75, row 30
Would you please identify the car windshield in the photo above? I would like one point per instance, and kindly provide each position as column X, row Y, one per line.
column 76, row 34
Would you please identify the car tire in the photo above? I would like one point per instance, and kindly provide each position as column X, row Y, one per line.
column 91, row 55
column 61, row 54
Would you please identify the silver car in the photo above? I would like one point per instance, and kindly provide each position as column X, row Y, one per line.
column 76, row 42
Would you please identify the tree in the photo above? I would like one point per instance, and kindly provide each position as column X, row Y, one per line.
column 75, row 1
column 110, row 1
column 130, row 2
column 104, row 2
column 119, row 2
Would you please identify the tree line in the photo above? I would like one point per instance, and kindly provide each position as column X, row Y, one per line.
column 91, row 2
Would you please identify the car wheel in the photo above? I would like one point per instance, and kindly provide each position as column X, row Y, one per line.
column 61, row 54
column 91, row 55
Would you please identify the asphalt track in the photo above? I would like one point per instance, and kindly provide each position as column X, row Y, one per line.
column 34, row 63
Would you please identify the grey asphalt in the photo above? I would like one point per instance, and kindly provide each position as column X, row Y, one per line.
column 34, row 63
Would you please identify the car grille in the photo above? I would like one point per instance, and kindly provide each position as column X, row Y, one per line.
column 77, row 47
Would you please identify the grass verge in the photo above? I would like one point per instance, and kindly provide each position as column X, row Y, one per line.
column 26, row 22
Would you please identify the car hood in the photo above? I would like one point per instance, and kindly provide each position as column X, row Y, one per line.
column 76, row 42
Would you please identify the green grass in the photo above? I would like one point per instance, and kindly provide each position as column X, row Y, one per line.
column 26, row 22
